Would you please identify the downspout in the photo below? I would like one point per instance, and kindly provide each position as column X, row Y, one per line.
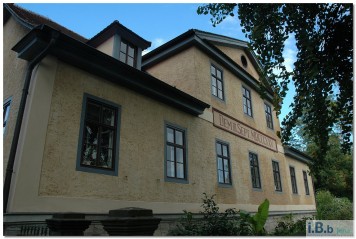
column 17, row 130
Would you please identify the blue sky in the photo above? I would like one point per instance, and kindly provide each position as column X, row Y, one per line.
column 157, row 23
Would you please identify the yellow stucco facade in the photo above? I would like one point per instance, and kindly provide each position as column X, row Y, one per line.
column 14, row 70
column 45, row 177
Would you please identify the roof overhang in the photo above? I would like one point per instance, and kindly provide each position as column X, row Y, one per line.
column 93, row 61
column 191, row 38
column 296, row 154
column 117, row 28
column 230, row 42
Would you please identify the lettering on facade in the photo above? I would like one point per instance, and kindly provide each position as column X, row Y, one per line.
column 238, row 128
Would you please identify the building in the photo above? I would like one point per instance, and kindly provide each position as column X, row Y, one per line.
column 103, row 127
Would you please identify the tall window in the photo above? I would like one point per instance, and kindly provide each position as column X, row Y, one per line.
column 293, row 180
column 217, row 82
column 6, row 111
column 306, row 185
column 276, row 176
column 246, row 97
column 127, row 53
column 99, row 140
column 223, row 157
column 269, row 119
column 255, row 171
column 175, row 153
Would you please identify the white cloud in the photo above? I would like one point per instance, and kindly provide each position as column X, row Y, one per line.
column 230, row 26
column 290, row 52
column 155, row 43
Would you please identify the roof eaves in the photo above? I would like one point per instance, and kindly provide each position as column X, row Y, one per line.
column 168, row 44
column 30, row 20
column 113, row 28
column 190, row 38
column 17, row 17
column 221, row 39
column 298, row 155
column 85, row 57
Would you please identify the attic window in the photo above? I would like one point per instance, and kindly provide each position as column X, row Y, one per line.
column 127, row 53
column 244, row 61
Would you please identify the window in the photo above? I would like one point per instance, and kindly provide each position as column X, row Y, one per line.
column 293, row 180
column 127, row 53
column 217, row 82
column 269, row 120
column 255, row 171
column 244, row 61
column 247, row 101
column 223, row 157
column 6, row 111
column 98, row 144
column 306, row 185
column 276, row 176
column 175, row 153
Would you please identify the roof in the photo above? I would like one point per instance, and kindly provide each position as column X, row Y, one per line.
column 204, row 41
column 30, row 20
column 296, row 154
column 117, row 27
column 89, row 59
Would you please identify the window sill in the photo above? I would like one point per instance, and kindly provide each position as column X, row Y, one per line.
column 96, row 170
column 176, row 180
column 278, row 192
column 257, row 189
column 224, row 185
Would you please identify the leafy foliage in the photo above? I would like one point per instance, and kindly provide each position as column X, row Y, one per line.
column 289, row 227
column 229, row 223
column 323, row 71
column 330, row 207
column 336, row 174
column 258, row 221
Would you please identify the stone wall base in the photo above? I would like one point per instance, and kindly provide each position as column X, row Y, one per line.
column 14, row 224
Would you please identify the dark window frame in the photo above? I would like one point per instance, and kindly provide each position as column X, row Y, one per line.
column 276, row 176
column 247, row 101
column 80, row 166
column 255, row 171
column 126, row 52
column 269, row 115
column 175, row 145
column 293, row 179
column 6, row 113
column 306, row 184
column 214, row 75
column 220, row 144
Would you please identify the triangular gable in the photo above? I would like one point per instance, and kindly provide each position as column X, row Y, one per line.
column 235, row 49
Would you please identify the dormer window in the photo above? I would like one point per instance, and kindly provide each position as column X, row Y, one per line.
column 127, row 53
column 121, row 43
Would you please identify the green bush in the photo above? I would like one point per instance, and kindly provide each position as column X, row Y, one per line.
column 229, row 223
column 289, row 227
column 330, row 207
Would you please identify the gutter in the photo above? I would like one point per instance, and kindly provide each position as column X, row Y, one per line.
column 296, row 154
column 17, row 130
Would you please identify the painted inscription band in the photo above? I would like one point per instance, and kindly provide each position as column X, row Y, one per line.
column 227, row 123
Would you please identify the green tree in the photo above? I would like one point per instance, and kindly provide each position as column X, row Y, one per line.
column 324, row 65
column 336, row 174
column 329, row 207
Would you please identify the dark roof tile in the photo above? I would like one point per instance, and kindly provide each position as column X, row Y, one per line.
column 34, row 19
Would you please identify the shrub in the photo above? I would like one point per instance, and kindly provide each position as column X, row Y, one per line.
column 229, row 223
column 288, row 227
column 330, row 207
